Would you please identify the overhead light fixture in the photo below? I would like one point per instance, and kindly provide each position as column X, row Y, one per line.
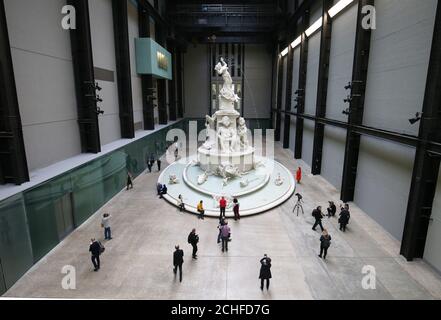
column 339, row 7
column 314, row 27
column 284, row 52
column 296, row 42
column 416, row 119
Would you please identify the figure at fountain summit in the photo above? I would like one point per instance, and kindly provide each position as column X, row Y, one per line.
column 227, row 91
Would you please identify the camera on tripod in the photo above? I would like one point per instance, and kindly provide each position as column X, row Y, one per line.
column 298, row 206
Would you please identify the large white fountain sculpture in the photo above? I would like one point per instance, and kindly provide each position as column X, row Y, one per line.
column 227, row 151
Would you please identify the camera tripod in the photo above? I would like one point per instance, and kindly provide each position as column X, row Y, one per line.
column 298, row 206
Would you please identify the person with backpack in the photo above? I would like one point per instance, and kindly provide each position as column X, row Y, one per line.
column 265, row 271
column 221, row 224
column 325, row 243
column 96, row 249
column 193, row 239
column 332, row 209
column 317, row 214
column 225, row 236
column 343, row 220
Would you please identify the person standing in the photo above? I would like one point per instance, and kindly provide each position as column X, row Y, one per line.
column 299, row 175
column 325, row 243
column 193, row 239
column 200, row 209
column 181, row 204
column 95, row 250
column 222, row 206
column 221, row 224
column 236, row 209
column 129, row 181
column 317, row 214
column 225, row 236
column 332, row 209
column 105, row 223
column 178, row 260
column 265, row 272
column 343, row 220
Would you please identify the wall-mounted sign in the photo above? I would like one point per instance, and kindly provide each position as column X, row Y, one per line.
column 162, row 61
column 152, row 59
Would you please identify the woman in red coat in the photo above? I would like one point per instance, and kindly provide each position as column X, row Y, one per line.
column 299, row 175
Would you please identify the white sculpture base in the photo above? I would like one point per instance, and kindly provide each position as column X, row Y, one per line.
column 260, row 195
column 209, row 160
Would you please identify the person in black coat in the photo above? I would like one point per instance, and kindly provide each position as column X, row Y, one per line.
column 163, row 191
column 193, row 239
column 95, row 250
column 158, row 162
column 129, row 181
column 325, row 243
column 265, row 271
column 332, row 209
column 344, row 217
column 317, row 214
column 178, row 260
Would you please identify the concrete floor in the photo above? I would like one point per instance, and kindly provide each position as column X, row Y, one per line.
column 137, row 262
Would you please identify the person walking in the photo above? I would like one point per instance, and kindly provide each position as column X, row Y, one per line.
column 325, row 243
column 299, row 175
column 158, row 162
column 317, row 214
column 181, row 204
column 343, row 220
column 225, row 236
column 332, row 209
column 129, row 181
column 265, row 272
column 178, row 260
column 95, row 250
column 236, row 209
column 222, row 206
column 193, row 239
column 200, row 209
column 105, row 223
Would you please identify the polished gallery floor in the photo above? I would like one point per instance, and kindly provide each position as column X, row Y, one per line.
column 137, row 263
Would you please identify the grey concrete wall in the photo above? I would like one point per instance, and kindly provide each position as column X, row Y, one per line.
column 398, row 63
column 432, row 252
column 136, row 79
column 333, row 155
column 42, row 60
column 295, row 86
column 340, row 73
column 340, row 62
column 383, row 182
column 257, row 81
column 312, row 73
column 308, row 141
column 103, row 47
column 196, row 81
